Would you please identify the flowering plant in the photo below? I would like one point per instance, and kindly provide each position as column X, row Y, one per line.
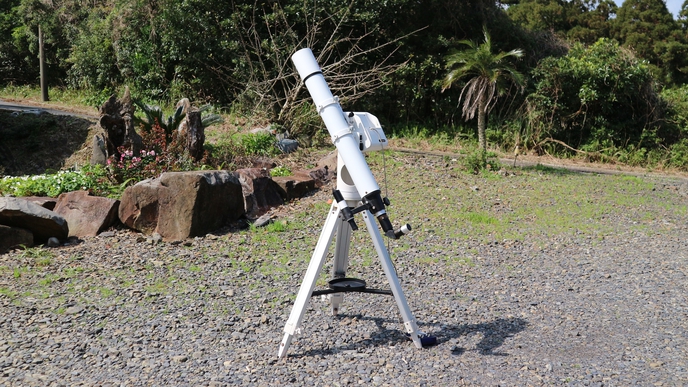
column 160, row 154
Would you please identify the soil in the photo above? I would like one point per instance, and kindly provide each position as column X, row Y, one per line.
column 35, row 143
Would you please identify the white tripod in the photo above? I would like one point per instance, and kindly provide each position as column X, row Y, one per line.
column 336, row 224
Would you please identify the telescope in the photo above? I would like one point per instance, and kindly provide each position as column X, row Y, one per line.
column 357, row 192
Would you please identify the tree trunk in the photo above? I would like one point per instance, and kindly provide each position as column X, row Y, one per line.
column 482, row 122
column 41, row 59
column 195, row 134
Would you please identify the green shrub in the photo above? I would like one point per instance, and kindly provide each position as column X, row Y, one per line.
column 91, row 178
column 280, row 171
column 259, row 144
column 479, row 160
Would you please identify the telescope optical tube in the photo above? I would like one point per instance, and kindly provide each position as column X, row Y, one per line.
column 343, row 137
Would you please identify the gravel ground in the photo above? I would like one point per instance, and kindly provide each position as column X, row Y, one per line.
column 582, row 308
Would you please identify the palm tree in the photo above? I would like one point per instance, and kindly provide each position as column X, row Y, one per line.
column 489, row 75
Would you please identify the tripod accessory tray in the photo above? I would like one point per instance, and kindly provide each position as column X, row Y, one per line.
column 347, row 285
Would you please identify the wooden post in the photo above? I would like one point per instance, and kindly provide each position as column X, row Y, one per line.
column 41, row 56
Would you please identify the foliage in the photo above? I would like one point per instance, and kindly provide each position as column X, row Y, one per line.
column 160, row 153
column 579, row 20
column 154, row 116
column 280, row 170
column 91, row 178
column 598, row 98
column 479, row 160
column 489, row 74
column 677, row 108
column 648, row 29
column 258, row 144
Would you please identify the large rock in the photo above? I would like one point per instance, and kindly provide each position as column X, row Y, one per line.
column 261, row 193
column 86, row 215
column 11, row 237
column 43, row 223
column 295, row 186
column 139, row 206
column 43, row 201
column 179, row 205
column 302, row 182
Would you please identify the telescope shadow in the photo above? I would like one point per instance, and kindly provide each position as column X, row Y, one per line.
column 494, row 334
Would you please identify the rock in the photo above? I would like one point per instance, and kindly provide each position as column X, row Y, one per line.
column 264, row 163
column 41, row 222
column 329, row 162
column 99, row 154
column 11, row 237
column 138, row 208
column 263, row 220
column 321, row 176
column 75, row 309
column 295, row 186
column 287, row 145
column 86, row 215
column 260, row 192
column 43, row 201
column 179, row 205
column 53, row 242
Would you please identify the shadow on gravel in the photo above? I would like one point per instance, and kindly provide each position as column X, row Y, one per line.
column 494, row 334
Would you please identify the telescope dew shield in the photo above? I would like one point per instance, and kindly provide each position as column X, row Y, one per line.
column 331, row 113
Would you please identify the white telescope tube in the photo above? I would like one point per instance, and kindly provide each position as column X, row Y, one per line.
column 331, row 113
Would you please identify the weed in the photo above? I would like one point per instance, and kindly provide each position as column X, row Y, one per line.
column 280, row 171
column 9, row 293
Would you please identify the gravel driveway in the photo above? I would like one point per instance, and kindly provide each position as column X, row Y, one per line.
column 600, row 305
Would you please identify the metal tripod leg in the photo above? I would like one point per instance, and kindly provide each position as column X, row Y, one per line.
column 308, row 284
column 409, row 320
column 341, row 261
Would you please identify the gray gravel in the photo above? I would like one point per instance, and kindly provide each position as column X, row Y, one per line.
column 577, row 308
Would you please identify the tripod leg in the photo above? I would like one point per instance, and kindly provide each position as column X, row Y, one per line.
column 308, row 284
column 409, row 320
column 341, row 261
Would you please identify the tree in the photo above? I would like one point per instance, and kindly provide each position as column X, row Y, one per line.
column 649, row 30
column 578, row 20
column 489, row 75
column 598, row 98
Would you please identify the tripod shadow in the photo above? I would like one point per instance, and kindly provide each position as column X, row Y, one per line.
column 493, row 335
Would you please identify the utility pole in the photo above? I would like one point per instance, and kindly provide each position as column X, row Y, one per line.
column 41, row 56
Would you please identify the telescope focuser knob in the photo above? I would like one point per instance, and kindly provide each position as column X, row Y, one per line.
column 346, row 211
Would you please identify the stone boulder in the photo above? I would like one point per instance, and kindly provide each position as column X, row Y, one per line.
column 260, row 192
column 43, row 201
column 41, row 222
column 86, row 215
column 301, row 182
column 139, row 206
column 329, row 163
column 11, row 237
column 179, row 205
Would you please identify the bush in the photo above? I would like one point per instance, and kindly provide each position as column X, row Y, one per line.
column 593, row 97
column 90, row 178
column 479, row 160
column 160, row 153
